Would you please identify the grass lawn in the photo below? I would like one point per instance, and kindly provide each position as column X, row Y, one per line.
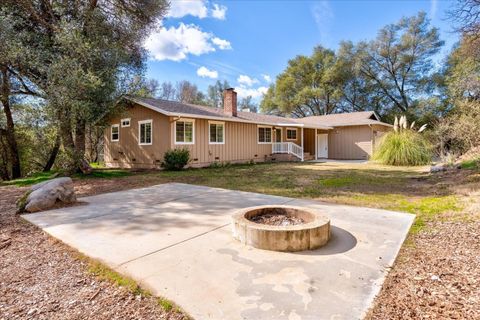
column 408, row 189
column 32, row 179
column 44, row 176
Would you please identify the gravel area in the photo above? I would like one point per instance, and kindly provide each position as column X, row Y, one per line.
column 41, row 278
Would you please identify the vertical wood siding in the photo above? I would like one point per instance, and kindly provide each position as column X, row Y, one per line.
column 378, row 132
column 352, row 143
column 309, row 141
column 240, row 144
column 127, row 152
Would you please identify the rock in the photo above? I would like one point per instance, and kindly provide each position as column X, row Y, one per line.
column 438, row 168
column 44, row 195
column 435, row 278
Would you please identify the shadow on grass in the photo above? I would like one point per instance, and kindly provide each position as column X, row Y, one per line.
column 105, row 174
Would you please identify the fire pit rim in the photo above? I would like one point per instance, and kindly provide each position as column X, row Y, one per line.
column 291, row 238
column 318, row 218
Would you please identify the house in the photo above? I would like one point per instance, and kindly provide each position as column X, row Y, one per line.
column 149, row 127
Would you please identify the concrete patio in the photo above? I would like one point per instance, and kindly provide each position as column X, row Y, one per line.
column 175, row 239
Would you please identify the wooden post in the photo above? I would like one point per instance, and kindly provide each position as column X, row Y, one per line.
column 316, row 144
column 303, row 150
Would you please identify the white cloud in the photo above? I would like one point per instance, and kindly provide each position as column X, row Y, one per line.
column 183, row 8
column 267, row 78
column 256, row 93
column 206, row 73
column 219, row 12
column 196, row 8
column 433, row 8
column 176, row 43
column 323, row 14
column 222, row 44
column 246, row 80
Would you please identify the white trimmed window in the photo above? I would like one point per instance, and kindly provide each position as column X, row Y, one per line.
column 115, row 133
column 125, row 122
column 264, row 135
column 145, row 132
column 291, row 134
column 184, row 132
column 216, row 132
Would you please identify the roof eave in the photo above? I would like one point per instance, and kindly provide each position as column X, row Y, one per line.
column 196, row 116
column 363, row 124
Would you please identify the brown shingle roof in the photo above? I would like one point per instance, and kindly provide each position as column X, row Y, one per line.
column 174, row 108
column 345, row 119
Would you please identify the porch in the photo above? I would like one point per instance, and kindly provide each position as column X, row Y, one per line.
column 302, row 143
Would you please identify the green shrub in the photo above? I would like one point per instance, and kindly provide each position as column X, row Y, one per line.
column 176, row 159
column 403, row 148
column 471, row 164
column 218, row 165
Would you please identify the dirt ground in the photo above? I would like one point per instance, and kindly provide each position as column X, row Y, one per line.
column 436, row 276
column 41, row 278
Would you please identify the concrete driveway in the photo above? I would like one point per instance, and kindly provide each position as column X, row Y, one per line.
column 175, row 239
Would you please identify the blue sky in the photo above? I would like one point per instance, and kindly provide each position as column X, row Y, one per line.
column 248, row 43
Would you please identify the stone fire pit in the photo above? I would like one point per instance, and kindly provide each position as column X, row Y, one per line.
column 281, row 228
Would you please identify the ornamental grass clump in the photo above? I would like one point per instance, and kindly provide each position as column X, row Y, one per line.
column 404, row 146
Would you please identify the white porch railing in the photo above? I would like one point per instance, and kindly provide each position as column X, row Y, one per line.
column 288, row 147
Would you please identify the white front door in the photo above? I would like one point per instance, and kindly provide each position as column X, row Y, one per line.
column 322, row 145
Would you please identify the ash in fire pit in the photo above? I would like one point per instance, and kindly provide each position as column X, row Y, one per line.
column 276, row 217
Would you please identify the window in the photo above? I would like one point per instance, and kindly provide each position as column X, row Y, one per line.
column 184, row 132
column 145, row 132
column 264, row 135
column 291, row 134
column 125, row 122
column 115, row 132
column 217, row 132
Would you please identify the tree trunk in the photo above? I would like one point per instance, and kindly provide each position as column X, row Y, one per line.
column 10, row 130
column 80, row 134
column 53, row 155
column 80, row 146
column 67, row 138
column 4, row 172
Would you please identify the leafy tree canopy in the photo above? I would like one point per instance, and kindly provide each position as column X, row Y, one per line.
column 390, row 74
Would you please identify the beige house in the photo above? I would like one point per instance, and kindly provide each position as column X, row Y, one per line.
column 149, row 127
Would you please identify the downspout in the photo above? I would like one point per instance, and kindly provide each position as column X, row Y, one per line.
column 303, row 150
column 372, row 137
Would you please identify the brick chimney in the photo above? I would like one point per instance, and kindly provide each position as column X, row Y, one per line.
column 230, row 102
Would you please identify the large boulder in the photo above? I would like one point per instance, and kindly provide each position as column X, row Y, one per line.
column 44, row 195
